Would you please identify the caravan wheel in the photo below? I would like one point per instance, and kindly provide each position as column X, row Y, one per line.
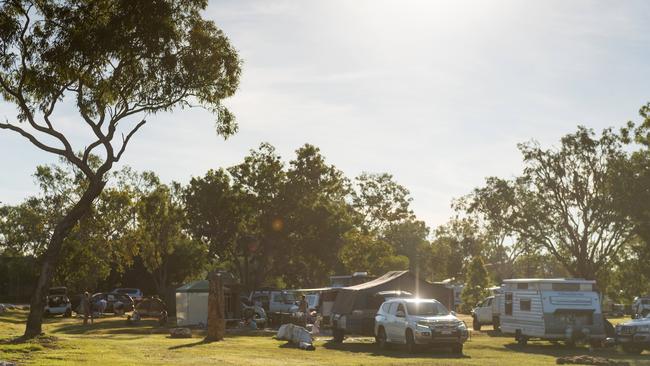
column 521, row 339
column 338, row 335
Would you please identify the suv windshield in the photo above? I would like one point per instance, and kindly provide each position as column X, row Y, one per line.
column 426, row 308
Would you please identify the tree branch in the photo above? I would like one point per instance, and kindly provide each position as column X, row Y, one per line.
column 33, row 139
column 126, row 140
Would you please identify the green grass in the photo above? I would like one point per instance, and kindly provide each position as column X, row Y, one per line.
column 112, row 341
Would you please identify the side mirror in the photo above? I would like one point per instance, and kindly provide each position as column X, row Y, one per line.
column 400, row 314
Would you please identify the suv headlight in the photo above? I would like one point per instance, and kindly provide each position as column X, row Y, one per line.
column 422, row 324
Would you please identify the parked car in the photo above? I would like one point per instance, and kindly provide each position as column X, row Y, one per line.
column 634, row 335
column 115, row 303
column 552, row 309
column 135, row 293
column 275, row 301
column 416, row 322
column 641, row 307
column 361, row 316
column 57, row 302
column 486, row 312
column 149, row 307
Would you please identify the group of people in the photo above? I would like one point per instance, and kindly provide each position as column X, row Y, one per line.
column 86, row 307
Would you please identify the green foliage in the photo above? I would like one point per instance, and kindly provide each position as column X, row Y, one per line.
column 562, row 202
column 476, row 284
column 409, row 239
column 167, row 252
column 364, row 252
column 381, row 201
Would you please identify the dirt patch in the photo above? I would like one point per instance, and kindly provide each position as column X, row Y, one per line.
column 590, row 360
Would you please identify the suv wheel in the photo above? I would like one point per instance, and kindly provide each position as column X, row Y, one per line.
column 380, row 339
column 496, row 323
column 410, row 341
column 68, row 313
column 338, row 335
column 457, row 349
column 475, row 324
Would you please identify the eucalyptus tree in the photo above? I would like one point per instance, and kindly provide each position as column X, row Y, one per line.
column 563, row 201
column 117, row 62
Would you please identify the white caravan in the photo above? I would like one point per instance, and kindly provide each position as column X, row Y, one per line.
column 552, row 309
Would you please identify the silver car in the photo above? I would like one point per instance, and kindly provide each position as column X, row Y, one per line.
column 419, row 322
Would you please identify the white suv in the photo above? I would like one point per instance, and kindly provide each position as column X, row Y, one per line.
column 418, row 321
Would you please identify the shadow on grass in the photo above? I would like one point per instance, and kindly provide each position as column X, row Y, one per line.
column 395, row 351
column 497, row 334
column 111, row 326
column 189, row 345
column 560, row 350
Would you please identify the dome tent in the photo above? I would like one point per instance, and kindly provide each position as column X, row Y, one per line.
column 192, row 301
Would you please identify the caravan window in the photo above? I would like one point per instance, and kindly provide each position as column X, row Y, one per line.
column 508, row 297
column 566, row 287
column 522, row 286
column 524, row 304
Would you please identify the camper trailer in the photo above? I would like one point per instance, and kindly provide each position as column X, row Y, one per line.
column 552, row 309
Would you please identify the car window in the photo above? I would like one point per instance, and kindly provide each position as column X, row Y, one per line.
column 277, row 298
column 488, row 302
column 392, row 308
column 400, row 307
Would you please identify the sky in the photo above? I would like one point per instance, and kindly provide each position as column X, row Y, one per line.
column 437, row 93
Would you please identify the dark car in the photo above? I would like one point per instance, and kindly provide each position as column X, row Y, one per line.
column 115, row 303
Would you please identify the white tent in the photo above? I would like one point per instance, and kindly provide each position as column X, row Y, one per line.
column 192, row 303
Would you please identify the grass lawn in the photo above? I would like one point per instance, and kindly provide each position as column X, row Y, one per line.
column 112, row 341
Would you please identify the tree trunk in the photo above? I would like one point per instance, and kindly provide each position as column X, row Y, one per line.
column 216, row 309
column 53, row 252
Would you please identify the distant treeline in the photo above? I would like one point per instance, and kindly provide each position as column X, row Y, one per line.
column 580, row 209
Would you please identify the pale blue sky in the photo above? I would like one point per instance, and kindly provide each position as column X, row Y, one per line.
column 437, row 93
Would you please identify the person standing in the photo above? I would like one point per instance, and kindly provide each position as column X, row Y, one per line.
column 86, row 308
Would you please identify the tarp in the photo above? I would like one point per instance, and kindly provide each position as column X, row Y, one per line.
column 359, row 297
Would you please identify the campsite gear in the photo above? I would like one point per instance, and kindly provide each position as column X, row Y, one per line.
column 551, row 309
column 180, row 333
column 192, row 301
column 296, row 335
column 589, row 360
column 150, row 307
